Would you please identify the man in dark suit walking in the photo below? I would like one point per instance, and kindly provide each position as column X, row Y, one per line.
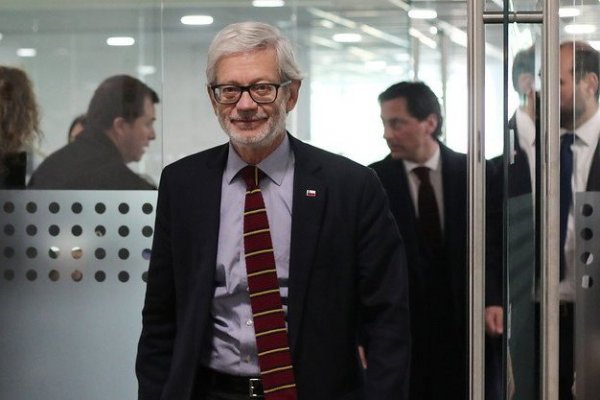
column 423, row 178
column 327, row 237
column 119, row 127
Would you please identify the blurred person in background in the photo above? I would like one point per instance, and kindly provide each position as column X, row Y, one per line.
column 19, row 125
column 119, row 127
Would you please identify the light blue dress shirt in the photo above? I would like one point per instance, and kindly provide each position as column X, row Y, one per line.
column 233, row 344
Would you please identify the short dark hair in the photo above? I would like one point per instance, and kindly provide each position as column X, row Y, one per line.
column 586, row 60
column 420, row 101
column 523, row 63
column 118, row 96
column 80, row 119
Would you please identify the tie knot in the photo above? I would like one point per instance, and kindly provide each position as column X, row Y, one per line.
column 567, row 139
column 422, row 173
column 251, row 175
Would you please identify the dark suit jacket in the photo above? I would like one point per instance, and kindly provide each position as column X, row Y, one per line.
column 91, row 162
column 13, row 168
column 394, row 178
column 347, row 273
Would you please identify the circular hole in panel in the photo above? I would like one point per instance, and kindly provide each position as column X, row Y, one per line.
column 587, row 210
column 31, row 207
column 147, row 208
column 123, row 276
column 147, row 231
column 9, row 207
column 123, row 231
column 100, row 253
column 54, row 275
column 77, row 276
column 76, row 207
column 54, row 207
column 9, row 274
column 54, row 230
column 145, row 276
column 76, row 253
column 9, row 229
column 587, row 258
column 123, row 254
column 123, row 208
column 76, row 230
column 586, row 234
column 9, row 252
column 100, row 276
column 587, row 282
column 31, row 252
column 146, row 254
column 100, row 230
column 31, row 275
column 54, row 252
column 31, row 230
column 100, row 208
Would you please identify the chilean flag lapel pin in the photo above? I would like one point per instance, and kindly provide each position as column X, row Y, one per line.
column 311, row 193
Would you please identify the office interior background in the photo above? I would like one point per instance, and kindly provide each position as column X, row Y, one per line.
column 72, row 264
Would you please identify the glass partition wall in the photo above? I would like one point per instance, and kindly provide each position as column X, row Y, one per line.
column 68, row 257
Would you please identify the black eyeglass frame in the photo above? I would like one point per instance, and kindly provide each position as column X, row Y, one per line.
column 248, row 89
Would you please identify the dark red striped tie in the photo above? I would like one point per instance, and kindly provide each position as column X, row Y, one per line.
column 274, row 356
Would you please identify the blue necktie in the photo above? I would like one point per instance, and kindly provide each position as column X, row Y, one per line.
column 566, row 172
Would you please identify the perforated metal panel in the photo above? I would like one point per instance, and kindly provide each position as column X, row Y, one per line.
column 587, row 306
column 72, row 270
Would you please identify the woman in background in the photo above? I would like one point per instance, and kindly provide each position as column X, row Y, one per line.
column 19, row 125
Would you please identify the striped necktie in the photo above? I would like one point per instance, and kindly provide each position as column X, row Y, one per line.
column 274, row 357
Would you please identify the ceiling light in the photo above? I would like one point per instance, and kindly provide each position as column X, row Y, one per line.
column 422, row 13
column 197, row 20
column 268, row 3
column 347, row 37
column 120, row 41
column 26, row 52
column 146, row 69
column 579, row 29
column 568, row 12
column 427, row 41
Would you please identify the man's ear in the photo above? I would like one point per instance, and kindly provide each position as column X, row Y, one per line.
column 432, row 123
column 212, row 99
column 591, row 80
column 119, row 125
column 293, row 89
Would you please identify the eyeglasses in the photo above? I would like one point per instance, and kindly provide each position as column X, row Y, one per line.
column 261, row 93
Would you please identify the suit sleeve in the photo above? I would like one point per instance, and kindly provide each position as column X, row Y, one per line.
column 155, row 348
column 384, row 296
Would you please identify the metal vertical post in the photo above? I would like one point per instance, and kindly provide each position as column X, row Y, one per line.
column 549, row 202
column 476, row 207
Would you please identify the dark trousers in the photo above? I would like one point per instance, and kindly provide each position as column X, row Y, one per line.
column 225, row 396
column 566, row 358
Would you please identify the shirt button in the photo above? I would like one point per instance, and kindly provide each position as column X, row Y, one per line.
column 249, row 322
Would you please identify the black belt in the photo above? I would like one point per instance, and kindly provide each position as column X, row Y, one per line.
column 225, row 383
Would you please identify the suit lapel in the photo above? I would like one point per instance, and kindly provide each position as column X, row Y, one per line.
column 309, row 199
column 593, row 183
column 205, row 217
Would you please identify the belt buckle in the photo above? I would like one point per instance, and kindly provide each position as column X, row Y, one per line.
column 255, row 389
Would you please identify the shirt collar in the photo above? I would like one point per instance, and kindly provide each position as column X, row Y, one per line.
column 274, row 166
column 433, row 163
column 588, row 131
